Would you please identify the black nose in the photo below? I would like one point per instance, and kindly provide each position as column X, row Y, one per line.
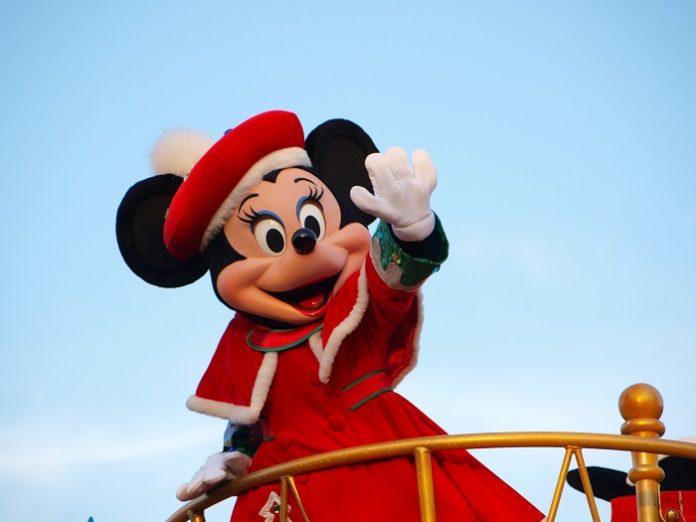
column 304, row 240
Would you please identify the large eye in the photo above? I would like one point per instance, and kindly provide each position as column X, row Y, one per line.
column 270, row 236
column 312, row 217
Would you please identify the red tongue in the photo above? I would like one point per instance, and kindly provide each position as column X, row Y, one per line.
column 312, row 302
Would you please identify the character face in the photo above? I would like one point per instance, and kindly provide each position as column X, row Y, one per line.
column 296, row 256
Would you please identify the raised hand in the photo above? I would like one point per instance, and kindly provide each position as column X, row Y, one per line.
column 401, row 192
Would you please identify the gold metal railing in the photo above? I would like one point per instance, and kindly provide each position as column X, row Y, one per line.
column 640, row 405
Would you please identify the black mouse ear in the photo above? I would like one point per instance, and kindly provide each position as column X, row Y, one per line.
column 606, row 483
column 338, row 149
column 139, row 225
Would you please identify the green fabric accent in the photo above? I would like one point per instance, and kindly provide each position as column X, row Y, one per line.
column 361, row 379
column 281, row 348
column 414, row 270
column 369, row 398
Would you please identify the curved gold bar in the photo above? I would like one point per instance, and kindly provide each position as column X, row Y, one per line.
column 437, row 443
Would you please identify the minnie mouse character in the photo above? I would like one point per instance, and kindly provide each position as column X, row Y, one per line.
column 327, row 318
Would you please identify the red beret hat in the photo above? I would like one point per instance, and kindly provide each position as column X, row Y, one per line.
column 226, row 174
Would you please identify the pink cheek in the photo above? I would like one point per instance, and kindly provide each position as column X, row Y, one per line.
column 227, row 287
column 238, row 279
column 354, row 238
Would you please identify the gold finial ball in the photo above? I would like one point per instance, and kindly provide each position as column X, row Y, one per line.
column 672, row 516
column 640, row 401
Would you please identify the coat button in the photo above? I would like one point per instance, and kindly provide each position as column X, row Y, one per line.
column 283, row 439
column 336, row 423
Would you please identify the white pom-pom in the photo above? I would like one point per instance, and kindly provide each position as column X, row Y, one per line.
column 177, row 151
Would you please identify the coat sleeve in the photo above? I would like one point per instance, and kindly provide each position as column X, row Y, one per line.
column 394, row 273
column 378, row 308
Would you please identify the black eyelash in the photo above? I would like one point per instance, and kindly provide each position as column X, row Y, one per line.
column 250, row 216
column 315, row 194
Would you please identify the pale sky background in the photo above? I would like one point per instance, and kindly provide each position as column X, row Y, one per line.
column 564, row 134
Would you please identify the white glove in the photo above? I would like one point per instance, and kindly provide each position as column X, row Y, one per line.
column 402, row 193
column 219, row 466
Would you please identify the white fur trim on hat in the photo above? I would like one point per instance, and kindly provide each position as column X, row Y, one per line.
column 177, row 151
column 279, row 159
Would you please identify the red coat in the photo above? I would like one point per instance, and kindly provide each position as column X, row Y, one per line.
column 315, row 397
column 624, row 509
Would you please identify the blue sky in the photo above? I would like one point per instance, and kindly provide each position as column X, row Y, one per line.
column 563, row 133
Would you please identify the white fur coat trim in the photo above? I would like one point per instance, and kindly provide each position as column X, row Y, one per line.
column 315, row 345
column 236, row 413
column 345, row 328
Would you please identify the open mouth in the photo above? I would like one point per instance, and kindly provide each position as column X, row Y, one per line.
column 309, row 299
